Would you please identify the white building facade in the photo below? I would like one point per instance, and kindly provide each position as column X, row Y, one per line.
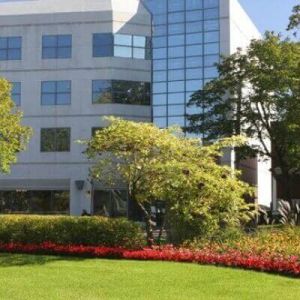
column 70, row 62
column 73, row 61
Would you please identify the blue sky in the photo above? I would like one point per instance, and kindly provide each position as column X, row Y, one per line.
column 269, row 14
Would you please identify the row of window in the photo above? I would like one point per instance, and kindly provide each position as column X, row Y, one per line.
column 103, row 91
column 38, row 202
column 60, row 46
column 163, row 6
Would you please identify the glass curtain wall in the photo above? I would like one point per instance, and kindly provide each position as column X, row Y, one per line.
column 186, row 45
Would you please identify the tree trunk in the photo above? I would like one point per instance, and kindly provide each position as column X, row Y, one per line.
column 286, row 180
column 148, row 221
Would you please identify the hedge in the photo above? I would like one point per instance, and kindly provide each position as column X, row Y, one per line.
column 65, row 230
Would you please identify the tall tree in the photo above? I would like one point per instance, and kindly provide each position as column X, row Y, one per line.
column 257, row 95
column 162, row 164
column 13, row 135
column 294, row 23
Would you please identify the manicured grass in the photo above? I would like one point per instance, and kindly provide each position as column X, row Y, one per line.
column 49, row 277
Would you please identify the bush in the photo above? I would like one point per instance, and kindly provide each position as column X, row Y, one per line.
column 65, row 230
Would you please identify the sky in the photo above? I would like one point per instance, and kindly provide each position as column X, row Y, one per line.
column 269, row 15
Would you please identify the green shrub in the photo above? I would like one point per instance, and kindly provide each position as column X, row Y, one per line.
column 98, row 231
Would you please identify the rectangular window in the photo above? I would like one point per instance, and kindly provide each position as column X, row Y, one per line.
column 57, row 46
column 120, row 91
column 56, row 92
column 121, row 45
column 16, row 93
column 10, row 48
column 34, row 202
column 102, row 44
column 55, row 139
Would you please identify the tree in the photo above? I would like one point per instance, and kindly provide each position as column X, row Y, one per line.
column 294, row 19
column 257, row 95
column 13, row 136
column 162, row 164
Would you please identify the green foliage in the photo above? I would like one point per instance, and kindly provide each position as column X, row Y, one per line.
column 257, row 95
column 163, row 164
column 294, row 19
column 288, row 215
column 70, row 230
column 13, row 136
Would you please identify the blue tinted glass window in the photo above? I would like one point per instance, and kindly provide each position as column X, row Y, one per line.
column 194, row 4
column 211, row 3
column 56, row 92
column 211, row 37
column 160, row 64
column 176, row 5
column 194, row 50
column 211, row 13
column 176, row 75
column 212, row 48
column 176, row 28
column 211, row 60
column 159, row 42
column 160, row 122
column 160, row 30
column 194, row 27
column 176, row 121
column 211, row 72
column 10, row 48
column 102, row 44
column 16, row 93
column 160, row 111
column 176, row 52
column 176, row 17
column 196, row 15
column 159, row 99
column 120, row 91
column 193, row 62
column 194, row 38
column 194, row 73
column 176, row 110
column 176, row 86
column 159, row 76
column 176, row 98
column 211, row 25
column 176, row 63
column 56, row 46
column 194, row 85
column 159, row 88
column 176, row 40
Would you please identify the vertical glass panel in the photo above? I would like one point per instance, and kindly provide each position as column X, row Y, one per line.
column 194, row 4
column 211, row 3
column 176, row 98
column 176, row 110
column 194, row 38
column 176, row 40
column 194, row 50
column 176, row 75
column 160, row 122
column 211, row 37
column 139, row 41
column 176, row 86
column 176, row 28
column 176, row 5
column 211, row 13
column 194, row 73
column 196, row 15
column 176, row 63
column 193, row 62
column 212, row 48
column 160, row 111
column 123, row 39
column 180, row 121
column 176, row 52
column 121, row 51
column 159, row 99
column 176, row 17
column 194, row 27
column 159, row 76
column 194, row 85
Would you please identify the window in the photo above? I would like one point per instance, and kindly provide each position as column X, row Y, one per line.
column 55, row 139
column 16, row 93
column 37, row 202
column 56, row 92
column 10, row 48
column 56, row 46
column 120, row 91
column 111, row 203
column 102, row 44
column 121, row 45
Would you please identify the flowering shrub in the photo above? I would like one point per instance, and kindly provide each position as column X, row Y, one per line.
column 234, row 258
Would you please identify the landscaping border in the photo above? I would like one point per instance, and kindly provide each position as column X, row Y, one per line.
column 289, row 265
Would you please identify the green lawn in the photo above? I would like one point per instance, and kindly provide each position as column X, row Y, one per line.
column 47, row 277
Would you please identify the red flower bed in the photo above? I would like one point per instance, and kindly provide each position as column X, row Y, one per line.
column 264, row 262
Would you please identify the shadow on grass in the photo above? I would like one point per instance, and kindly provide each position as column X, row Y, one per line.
column 19, row 260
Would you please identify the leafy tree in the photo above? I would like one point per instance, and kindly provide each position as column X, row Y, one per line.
column 294, row 19
column 13, row 136
column 257, row 95
column 162, row 164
